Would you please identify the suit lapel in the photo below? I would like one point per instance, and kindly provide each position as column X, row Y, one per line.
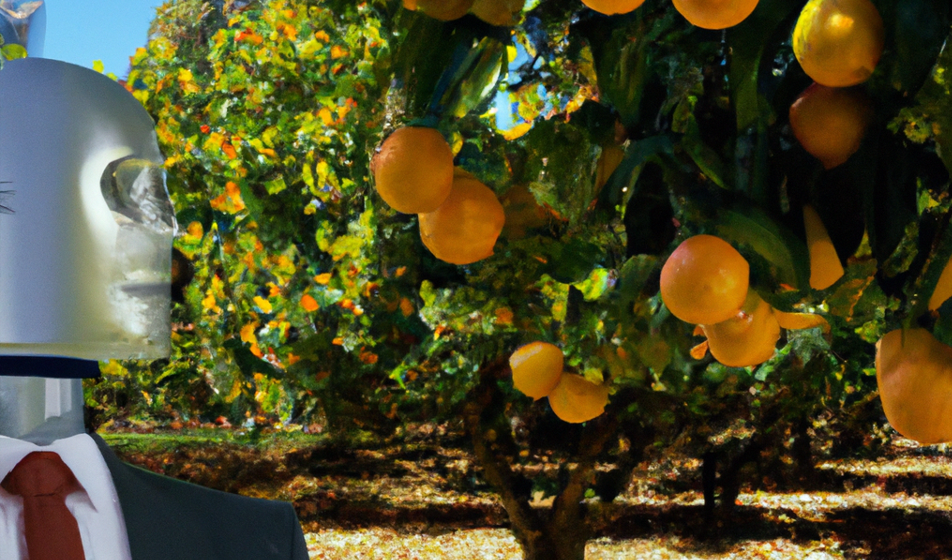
column 137, row 504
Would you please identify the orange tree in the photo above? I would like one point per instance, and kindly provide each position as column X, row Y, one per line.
column 313, row 302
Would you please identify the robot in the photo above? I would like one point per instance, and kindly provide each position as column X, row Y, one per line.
column 86, row 228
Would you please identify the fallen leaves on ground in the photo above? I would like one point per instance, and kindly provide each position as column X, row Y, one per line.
column 500, row 544
column 388, row 544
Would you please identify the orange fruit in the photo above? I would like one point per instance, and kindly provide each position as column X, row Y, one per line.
column 523, row 212
column 612, row 7
column 465, row 227
column 825, row 266
column 796, row 321
column 536, row 368
column 747, row 339
column 497, row 12
column 444, row 10
column 413, row 171
column 839, row 42
column 715, row 14
column 914, row 374
column 830, row 122
column 576, row 399
column 943, row 290
column 705, row 280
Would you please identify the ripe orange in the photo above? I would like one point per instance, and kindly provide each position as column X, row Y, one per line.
column 497, row 12
column 825, row 266
column 536, row 368
column 413, row 171
column 465, row 227
column 747, row 339
column 830, row 122
column 943, row 290
column 839, row 42
column 715, row 14
column 612, row 7
column 914, row 374
column 444, row 10
column 576, row 399
column 705, row 280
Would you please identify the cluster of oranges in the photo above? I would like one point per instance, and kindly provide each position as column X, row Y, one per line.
column 838, row 44
column 537, row 372
column 719, row 14
column 460, row 217
column 706, row 281
column 494, row 12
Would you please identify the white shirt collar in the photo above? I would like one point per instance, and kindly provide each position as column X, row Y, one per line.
column 80, row 454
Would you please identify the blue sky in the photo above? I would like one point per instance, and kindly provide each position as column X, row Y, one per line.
column 81, row 31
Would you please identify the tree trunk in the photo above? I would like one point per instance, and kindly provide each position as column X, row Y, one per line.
column 805, row 469
column 551, row 544
column 557, row 534
column 560, row 537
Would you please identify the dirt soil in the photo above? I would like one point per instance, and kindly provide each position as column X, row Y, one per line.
column 374, row 499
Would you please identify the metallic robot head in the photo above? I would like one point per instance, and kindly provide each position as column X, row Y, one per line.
column 85, row 248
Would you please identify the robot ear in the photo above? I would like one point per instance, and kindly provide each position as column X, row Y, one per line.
column 134, row 189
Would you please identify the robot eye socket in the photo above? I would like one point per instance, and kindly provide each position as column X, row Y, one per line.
column 134, row 189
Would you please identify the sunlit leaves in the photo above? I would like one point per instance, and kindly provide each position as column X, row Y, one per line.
column 305, row 288
column 257, row 114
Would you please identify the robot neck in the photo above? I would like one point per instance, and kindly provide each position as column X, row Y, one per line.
column 41, row 409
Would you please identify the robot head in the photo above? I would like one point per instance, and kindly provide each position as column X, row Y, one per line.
column 86, row 237
column 24, row 22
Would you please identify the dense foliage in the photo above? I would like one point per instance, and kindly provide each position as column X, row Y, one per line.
column 313, row 303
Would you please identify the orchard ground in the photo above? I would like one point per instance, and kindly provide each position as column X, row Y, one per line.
column 418, row 495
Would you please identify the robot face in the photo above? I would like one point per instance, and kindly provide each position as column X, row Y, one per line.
column 85, row 246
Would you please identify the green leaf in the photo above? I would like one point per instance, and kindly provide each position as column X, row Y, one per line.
column 624, row 177
column 572, row 261
column 748, row 42
column 563, row 165
column 706, row 158
column 597, row 284
column 753, row 231
column 633, row 277
column 275, row 186
column 475, row 80
column 620, row 48
column 915, row 32
column 13, row 51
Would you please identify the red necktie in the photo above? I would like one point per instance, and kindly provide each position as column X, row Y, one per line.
column 44, row 481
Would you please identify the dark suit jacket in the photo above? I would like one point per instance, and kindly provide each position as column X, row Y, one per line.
column 168, row 519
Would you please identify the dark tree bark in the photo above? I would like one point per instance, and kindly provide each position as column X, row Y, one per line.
column 559, row 533
column 803, row 454
column 720, row 507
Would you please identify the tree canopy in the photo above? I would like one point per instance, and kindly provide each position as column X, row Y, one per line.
column 609, row 140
